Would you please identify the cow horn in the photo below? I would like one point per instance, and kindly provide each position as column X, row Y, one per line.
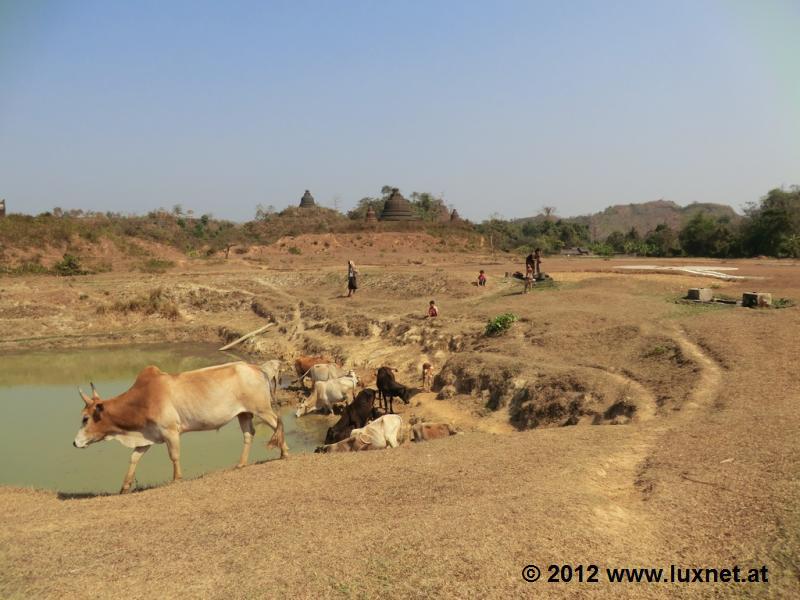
column 86, row 398
column 95, row 395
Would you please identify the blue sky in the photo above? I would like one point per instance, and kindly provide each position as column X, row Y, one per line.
column 502, row 107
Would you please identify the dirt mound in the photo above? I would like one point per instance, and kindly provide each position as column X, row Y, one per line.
column 566, row 399
column 492, row 380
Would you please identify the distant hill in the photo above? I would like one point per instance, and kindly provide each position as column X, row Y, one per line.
column 645, row 216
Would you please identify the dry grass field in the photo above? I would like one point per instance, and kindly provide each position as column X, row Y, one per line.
column 610, row 425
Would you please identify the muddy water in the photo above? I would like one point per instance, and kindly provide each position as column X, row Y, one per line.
column 40, row 413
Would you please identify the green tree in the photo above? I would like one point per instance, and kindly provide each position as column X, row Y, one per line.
column 772, row 222
column 616, row 240
column 705, row 236
column 662, row 241
column 359, row 213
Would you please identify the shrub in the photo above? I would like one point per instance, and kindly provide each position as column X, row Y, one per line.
column 155, row 303
column 500, row 324
column 69, row 265
column 295, row 250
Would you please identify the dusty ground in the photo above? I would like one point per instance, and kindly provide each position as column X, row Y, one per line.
column 681, row 448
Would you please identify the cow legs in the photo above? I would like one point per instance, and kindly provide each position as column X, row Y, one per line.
column 274, row 421
column 137, row 454
column 173, row 441
column 248, row 431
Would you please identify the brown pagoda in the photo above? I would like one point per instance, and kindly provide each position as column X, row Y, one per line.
column 371, row 217
column 397, row 208
column 307, row 201
column 454, row 216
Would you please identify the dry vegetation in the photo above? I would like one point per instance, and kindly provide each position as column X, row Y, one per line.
column 608, row 424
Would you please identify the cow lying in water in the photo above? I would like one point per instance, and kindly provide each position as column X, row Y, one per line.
column 379, row 434
column 423, row 432
column 160, row 407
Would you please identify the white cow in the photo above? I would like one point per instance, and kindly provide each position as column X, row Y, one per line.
column 380, row 432
column 272, row 371
column 325, row 372
column 327, row 393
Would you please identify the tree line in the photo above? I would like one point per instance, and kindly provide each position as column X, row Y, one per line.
column 770, row 227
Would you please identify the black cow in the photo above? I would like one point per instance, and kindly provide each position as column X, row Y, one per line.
column 355, row 415
column 388, row 388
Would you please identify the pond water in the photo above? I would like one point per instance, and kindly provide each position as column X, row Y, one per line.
column 40, row 413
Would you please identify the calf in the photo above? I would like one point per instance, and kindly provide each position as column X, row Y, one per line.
column 356, row 414
column 424, row 432
column 389, row 389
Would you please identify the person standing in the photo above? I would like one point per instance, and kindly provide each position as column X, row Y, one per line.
column 482, row 278
column 529, row 262
column 528, row 278
column 352, row 278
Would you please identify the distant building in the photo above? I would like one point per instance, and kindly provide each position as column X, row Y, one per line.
column 454, row 216
column 397, row 208
column 371, row 217
column 307, row 201
column 2, row 208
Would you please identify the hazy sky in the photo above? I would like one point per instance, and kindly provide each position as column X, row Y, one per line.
column 503, row 107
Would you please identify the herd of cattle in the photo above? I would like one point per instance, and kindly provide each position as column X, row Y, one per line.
column 159, row 407
column 330, row 385
column 362, row 425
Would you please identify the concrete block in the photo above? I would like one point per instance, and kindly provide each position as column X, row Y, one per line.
column 701, row 294
column 756, row 299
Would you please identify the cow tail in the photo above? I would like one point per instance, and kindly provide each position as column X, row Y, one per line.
column 277, row 440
